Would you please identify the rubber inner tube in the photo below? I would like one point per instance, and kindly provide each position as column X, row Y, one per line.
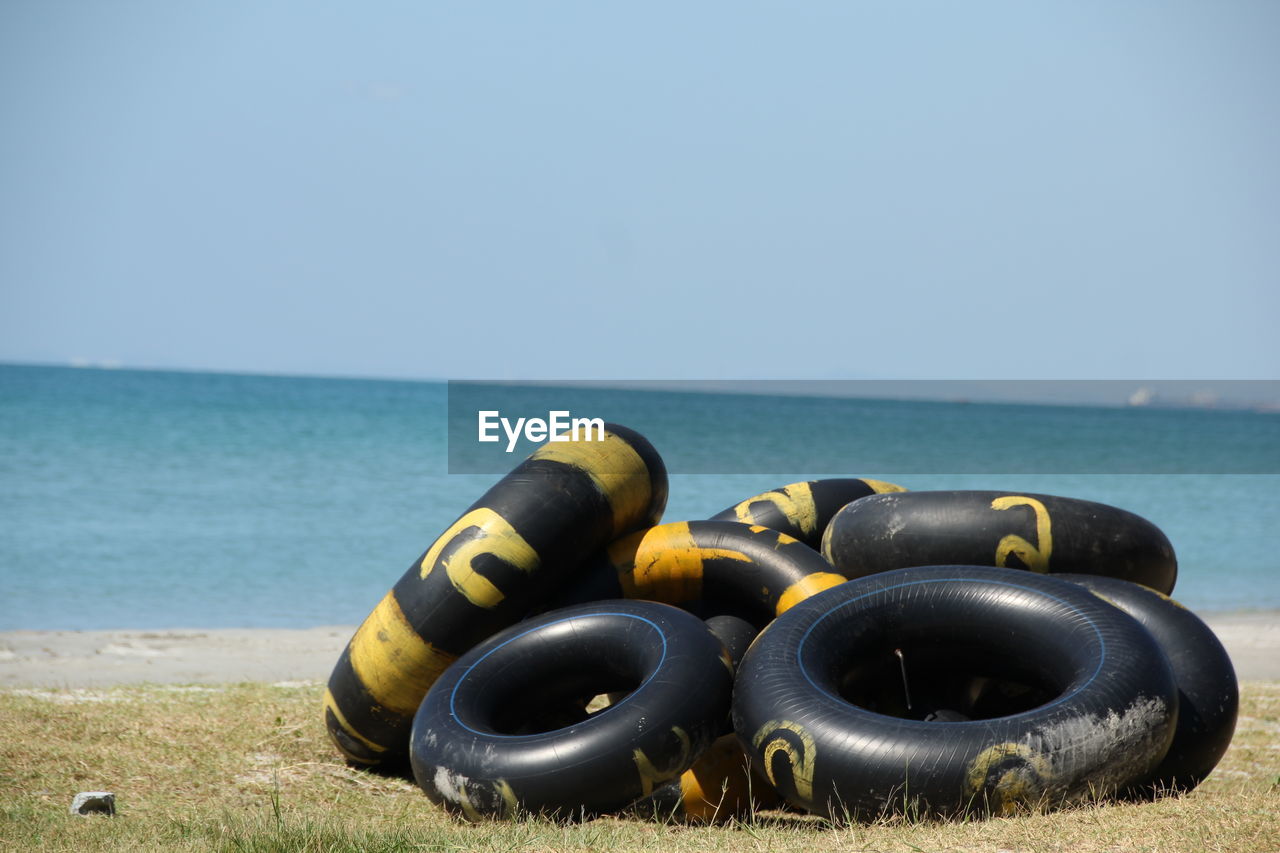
column 520, row 539
column 507, row 728
column 831, row 698
column 1208, row 694
column 1042, row 533
column 802, row 510
column 708, row 567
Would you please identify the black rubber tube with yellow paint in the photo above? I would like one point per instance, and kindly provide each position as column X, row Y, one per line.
column 1042, row 533
column 709, row 567
column 507, row 730
column 803, row 510
column 842, row 703
column 524, row 536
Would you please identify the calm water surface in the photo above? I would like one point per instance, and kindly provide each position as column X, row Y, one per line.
column 132, row 499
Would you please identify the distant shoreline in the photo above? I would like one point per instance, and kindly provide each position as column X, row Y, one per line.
column 1230, row 395
column 84, row 659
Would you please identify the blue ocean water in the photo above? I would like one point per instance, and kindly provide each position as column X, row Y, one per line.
column 138, row 499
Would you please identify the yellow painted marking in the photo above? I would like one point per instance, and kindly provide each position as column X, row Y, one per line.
column 617, row 471
column 1021, row 784
column 799, row 750
column 807, row 586
column 880, row 487
column 664, row 563
column 794, row 501
column 503, row 788
column 722, row 554
column 497, row 538
column 780, row 539
column 651, row 776
column 331, row 704
column 393, row 663
column 1035, row 557
column 661, row 564
column 468, row 808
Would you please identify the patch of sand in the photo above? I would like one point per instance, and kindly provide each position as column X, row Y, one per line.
column 35, row 659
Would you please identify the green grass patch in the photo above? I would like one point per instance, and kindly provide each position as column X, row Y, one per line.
column 249, row 767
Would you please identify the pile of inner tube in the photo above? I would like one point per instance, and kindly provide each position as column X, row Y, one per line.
column 842, row 647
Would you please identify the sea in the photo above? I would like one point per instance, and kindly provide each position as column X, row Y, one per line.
column 135, row 499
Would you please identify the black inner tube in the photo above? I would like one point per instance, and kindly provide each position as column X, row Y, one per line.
column 509, row 727
column 1022, row 691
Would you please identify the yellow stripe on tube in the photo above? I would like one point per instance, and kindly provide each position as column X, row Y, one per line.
column 331, row 705
column 617, row 471
column 795, row 502
column 807, row 586
column 666, row 563
column 395, row 665
column 880, row 487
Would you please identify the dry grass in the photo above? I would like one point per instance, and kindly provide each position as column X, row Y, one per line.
column 249, row 767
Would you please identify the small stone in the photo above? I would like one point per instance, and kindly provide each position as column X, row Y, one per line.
column 94, row 802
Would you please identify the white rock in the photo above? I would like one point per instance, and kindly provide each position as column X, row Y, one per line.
column 94, row 802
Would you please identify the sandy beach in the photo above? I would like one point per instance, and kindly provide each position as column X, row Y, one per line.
column 218, row 656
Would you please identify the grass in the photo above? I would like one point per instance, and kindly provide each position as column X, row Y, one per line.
column 249, row 767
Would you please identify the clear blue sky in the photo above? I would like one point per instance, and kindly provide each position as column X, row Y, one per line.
column 665, row 190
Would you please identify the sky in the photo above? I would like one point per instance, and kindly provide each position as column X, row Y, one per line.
column 716, row 190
